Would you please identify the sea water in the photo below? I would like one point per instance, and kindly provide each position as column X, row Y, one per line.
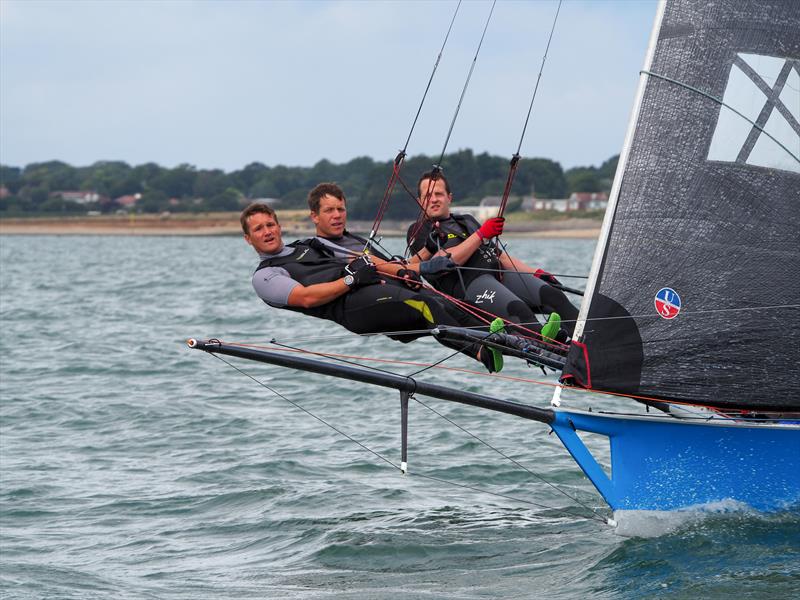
column 134, row 467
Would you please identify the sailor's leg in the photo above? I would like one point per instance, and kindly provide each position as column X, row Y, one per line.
column 395, row 308
column 542, row 298
column 486, row 293
column 554, row 300
column 385, row 308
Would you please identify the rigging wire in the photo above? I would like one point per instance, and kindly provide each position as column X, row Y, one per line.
column 594, row 516
column 349, row 334
column 515, row 158
column 437, row 168
column 340, row 357
column 398, row 161
column 512, row 169
column 466, row 84
column 504, row 455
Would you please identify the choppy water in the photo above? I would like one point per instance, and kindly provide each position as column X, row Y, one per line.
column 133, row 467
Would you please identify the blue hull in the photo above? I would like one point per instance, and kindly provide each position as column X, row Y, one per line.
column 668, row 464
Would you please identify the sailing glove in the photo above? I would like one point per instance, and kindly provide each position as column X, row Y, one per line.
column 410, row 278
column 363, row 272
column 546, row 277
column 491, row 228
column 436, row 265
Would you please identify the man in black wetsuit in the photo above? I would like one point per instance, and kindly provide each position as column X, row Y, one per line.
column 515, row 294
column 309, row 277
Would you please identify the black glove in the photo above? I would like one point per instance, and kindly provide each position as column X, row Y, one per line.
column 436, row 265
column 366, row 276
column 410, row 278
column 357, row 264
column 546, row 277
column 363, row 272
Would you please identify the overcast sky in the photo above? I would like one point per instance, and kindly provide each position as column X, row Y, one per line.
column 223, row 84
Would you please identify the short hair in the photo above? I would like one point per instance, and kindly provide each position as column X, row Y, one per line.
column 436, row 176
column 324, row 189
column 254, row 209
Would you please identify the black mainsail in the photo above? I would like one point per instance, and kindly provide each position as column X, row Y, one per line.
column 695, row 289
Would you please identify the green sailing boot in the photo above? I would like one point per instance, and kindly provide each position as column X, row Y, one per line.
column 551, row 328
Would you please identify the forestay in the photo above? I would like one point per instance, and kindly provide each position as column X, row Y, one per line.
column 696, row 282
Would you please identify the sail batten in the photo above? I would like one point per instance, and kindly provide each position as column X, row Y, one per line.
column 699, row 265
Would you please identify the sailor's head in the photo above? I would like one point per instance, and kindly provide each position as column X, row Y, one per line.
column 328, row 208
column 434, row 195
column 261, row 228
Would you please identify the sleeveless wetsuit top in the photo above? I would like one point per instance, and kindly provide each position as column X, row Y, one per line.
column 447, row 233
column 312, row 262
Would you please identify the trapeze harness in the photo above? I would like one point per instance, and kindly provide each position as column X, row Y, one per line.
column 311, row 262
column 448, row 233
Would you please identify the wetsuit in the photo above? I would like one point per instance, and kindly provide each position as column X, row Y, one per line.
column 513, row 296
column 381, row 308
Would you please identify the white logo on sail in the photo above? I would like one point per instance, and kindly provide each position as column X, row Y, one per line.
column 766, row 90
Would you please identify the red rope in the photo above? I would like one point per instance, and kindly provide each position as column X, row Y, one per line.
column 384, row 205
column 423, row 209
column 469, row 308
column 512, row 171
column 493, row 375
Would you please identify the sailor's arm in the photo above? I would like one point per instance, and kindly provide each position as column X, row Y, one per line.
column 461, row 253
column 275, row 287
column 385, row 266
column 318, row 294
column 510, row 263
column 514, row 264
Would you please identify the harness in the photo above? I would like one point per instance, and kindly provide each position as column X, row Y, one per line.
column 446, row 234
column 311, row 262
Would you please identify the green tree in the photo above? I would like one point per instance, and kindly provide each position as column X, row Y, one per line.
column 229, row 199
column 11, row 178
column 175, row 183
column 152, row 201
column 583, row 179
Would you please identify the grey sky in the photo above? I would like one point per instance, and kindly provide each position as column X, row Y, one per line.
column 223, row 84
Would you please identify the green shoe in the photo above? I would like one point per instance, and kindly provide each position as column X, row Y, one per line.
column 497, row 326
column 551, row 328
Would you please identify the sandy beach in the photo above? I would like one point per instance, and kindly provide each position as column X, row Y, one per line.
column 228, row 224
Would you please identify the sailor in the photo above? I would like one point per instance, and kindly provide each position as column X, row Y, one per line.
column 492, row 280
column 328, row 211
column 309, row 277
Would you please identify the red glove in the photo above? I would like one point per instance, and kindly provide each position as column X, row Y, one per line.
column 491, row 228
column 546, row 277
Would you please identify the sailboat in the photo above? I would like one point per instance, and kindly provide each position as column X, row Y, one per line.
column 691, row 310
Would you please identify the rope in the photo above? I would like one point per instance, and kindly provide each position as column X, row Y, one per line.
column 504, row 455
column 593, row 517
column 339, row 357
column 398, row 161
column 437, row 167
column 512, row 170
column 466, row 84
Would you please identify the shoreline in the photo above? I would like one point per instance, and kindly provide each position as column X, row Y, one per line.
column 227, row 224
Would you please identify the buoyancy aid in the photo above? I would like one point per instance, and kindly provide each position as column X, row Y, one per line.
column 450, row 232
column 312, row 262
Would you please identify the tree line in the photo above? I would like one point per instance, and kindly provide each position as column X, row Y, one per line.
column 34, row 189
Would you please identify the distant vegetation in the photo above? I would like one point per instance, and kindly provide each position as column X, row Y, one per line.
column 39, row 188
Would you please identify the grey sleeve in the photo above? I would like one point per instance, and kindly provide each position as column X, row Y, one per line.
column 273, row 285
